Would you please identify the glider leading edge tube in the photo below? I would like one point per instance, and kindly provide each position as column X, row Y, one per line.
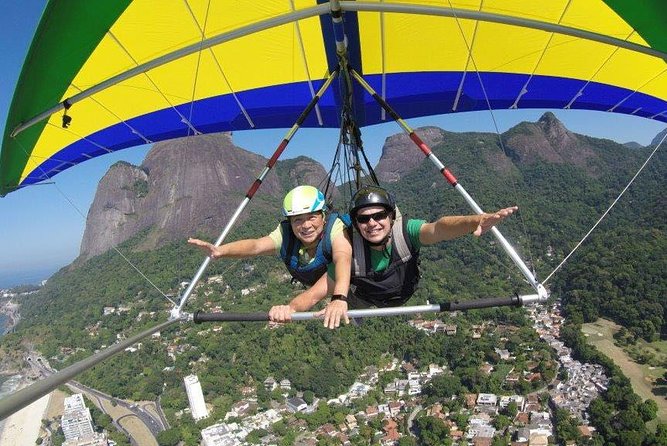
column 514, row 301
column 20, row 399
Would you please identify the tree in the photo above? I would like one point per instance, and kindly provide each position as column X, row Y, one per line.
column 432, row 431
column 501, row 422
column 648, row 410
column 169, row 437
column 308, row 396
column 660, row 436
column 279, row 428
column 255, row 436
column 566, row 426
column 443, row 386
column 512, row 409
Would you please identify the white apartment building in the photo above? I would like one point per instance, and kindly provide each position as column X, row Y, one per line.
column 76, row 420
column 77, row 424
column 195, row 397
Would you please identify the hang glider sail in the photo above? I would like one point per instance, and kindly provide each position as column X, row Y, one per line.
column 101, row 77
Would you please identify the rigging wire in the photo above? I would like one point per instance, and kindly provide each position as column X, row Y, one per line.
column 597, row 223
column 347, row 170
column 496, row 127
column 78, row 211
column 202, row 31
column 183, row 119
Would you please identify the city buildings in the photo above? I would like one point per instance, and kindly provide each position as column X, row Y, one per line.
column 195, row 397
column 77, row 424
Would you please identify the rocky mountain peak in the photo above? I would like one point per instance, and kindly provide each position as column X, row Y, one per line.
column 184, row 186
column 659, row 137
column 553, row 128
column 548, row 140
column 400, row 155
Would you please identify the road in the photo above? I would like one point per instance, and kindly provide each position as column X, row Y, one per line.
column 155, row 424
column 411, row 418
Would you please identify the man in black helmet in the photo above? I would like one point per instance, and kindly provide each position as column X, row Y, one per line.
column 385, row 256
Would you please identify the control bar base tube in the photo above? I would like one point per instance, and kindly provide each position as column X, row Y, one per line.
column 451, row 179
column 176, row 312
column 490, row 302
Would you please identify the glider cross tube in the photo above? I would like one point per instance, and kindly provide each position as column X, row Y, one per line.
column 514, row 301
column 22, row 398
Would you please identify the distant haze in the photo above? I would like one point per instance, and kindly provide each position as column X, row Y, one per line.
column 9, row 279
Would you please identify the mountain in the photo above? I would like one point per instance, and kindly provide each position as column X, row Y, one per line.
column 633, row 145
column 184, row 186
column 399, row 155
column 562, row 181
column 659, row 137
column 547, row 140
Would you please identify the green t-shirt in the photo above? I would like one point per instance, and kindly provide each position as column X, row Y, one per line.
column 380, row 259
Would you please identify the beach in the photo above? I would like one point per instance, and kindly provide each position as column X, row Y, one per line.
column 22, row 427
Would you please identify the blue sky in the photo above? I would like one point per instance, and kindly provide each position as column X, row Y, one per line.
column 41, row 226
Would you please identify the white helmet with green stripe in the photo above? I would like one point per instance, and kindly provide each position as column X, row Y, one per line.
column 302, row 200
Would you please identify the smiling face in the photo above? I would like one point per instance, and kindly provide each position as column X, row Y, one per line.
column 374, row 223
column 308, row 227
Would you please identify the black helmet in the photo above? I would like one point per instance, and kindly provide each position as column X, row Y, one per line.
column 371, row 196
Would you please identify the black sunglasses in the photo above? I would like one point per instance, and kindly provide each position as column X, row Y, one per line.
column 378, row 216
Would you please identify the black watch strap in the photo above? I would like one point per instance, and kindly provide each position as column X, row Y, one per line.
column 339, row 297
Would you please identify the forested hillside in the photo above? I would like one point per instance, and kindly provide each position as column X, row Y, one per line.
column 617, row 273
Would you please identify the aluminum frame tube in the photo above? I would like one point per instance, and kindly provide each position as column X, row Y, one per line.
column 22, row 398
column 488, row 302
column 451, row 179
column 175, row 55
column 176, row 311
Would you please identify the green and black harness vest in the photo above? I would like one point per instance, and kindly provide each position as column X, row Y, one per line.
column 398, row 282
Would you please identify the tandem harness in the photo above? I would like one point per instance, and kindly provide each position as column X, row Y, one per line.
column 396, row 284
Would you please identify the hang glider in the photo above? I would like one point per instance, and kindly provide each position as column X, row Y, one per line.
column 104, row 76
column 101, row 77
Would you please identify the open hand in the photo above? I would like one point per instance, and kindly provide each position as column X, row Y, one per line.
column 333, row 314
column 209, row 248
column 490, row 220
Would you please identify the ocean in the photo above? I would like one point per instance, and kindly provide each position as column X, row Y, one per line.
column 10, row 279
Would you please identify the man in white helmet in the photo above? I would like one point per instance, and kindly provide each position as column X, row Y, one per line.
column 307, row 241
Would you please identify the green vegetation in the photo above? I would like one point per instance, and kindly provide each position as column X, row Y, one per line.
column 618, row 274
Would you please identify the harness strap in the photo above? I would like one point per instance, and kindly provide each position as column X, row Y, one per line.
column 358, row 254
column 398, row 239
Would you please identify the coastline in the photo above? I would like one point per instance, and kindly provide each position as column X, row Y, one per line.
column 22, row 427
column 11, row 312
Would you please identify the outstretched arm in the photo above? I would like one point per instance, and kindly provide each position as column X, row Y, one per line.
column 240, row 248
column 303, row 302
column 342, row 258
column 449, row 228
